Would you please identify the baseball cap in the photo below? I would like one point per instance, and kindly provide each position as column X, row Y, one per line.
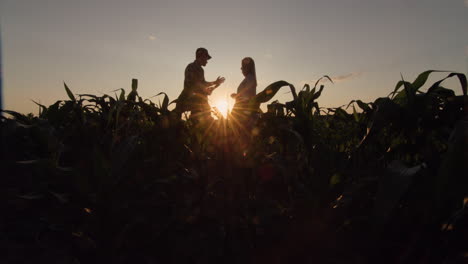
column 202, row 51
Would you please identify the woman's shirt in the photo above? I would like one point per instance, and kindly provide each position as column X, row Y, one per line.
column 247, row 88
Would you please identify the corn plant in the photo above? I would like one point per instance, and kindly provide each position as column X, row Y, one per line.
column 118, row 178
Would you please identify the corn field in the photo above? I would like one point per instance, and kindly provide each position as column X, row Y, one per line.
column 120, row 179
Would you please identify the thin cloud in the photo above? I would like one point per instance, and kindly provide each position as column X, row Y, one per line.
column 151, row 37
column 336, row 79
column 346, row 77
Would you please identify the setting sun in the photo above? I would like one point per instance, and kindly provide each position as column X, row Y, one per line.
column 222, row 106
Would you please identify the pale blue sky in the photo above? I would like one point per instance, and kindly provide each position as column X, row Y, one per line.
column 97, row 46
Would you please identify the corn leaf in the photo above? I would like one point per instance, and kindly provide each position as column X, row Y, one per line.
column 422, row 78
column 70, row 94
column 461, row 77
column 268, row 93
column 42, row 108
column 325, row 76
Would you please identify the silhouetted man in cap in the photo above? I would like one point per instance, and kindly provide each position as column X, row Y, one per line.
column 194, row 97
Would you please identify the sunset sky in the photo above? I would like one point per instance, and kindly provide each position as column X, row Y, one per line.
column 97, row 46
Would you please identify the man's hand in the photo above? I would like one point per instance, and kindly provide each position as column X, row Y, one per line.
column 233, row 95
column 219, row 80
column 214, row 85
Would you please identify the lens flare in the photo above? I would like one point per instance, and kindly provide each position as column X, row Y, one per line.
column 222, row 106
